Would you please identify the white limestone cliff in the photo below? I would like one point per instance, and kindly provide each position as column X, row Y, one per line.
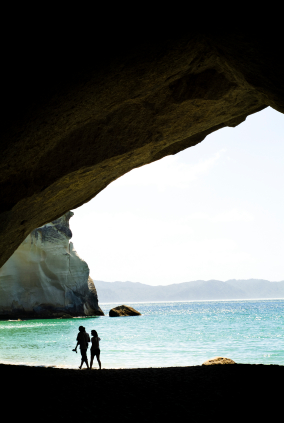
column 45, row 277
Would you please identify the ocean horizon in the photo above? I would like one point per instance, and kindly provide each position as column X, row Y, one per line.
column 168, row 334
column 191, row 301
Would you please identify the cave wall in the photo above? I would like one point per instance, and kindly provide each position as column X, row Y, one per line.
column 73, row 123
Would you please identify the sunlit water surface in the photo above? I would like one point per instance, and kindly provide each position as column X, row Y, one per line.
column 167, row 334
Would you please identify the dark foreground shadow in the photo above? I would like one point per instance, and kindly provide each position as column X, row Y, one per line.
column 192, row 394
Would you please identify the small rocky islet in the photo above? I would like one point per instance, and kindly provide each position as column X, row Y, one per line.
column 123, row 310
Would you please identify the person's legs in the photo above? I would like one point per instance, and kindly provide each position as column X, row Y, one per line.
column 99, row 361
column 92, row 359
column 84, row 358
column 82, row 362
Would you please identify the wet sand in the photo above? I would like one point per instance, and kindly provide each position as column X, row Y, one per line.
column 220, row 393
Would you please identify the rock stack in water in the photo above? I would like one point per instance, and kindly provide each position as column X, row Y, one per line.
column 45, row 277
column 123, row 310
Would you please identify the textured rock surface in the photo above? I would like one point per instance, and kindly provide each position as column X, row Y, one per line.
column 46, row 277
column 218, row 360
column 123, row 310
column 78, row 115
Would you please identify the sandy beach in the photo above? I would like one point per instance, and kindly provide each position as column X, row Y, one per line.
column 196, row 394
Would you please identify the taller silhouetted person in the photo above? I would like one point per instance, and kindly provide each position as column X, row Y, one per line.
column 82, row 339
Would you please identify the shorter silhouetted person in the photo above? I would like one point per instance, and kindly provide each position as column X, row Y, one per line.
column 82, row 339
column 95, row 348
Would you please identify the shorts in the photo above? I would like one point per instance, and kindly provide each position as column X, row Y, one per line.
column 84, row 354
column 95, row 352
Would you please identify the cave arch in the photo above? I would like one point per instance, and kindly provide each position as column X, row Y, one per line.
column 76, row 125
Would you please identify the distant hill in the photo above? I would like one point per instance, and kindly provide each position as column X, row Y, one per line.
column 197, row 290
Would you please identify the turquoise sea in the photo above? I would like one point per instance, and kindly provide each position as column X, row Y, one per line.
column 167, row 334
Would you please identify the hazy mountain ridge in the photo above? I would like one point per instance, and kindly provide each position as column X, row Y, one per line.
column 186, row 291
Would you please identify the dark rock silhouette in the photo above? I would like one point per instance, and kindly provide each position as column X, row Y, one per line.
column 243, row 393
column 123, row 310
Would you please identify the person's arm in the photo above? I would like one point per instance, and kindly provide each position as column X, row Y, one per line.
column 75, row 349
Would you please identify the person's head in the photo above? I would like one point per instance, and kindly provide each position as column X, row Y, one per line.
column 81, row 329
column 94, row 333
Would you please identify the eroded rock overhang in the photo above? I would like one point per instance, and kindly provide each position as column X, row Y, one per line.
column 75, row 125
column 46, row 278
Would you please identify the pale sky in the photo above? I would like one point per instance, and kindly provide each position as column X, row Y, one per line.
column 213, row 211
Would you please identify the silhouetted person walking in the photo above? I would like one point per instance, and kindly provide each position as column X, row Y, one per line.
column 82, row 339
column 95, row 348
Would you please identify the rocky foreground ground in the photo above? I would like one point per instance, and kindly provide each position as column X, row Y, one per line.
column 220, row 393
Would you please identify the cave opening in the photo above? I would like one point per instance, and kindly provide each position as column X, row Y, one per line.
column 213, row 211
